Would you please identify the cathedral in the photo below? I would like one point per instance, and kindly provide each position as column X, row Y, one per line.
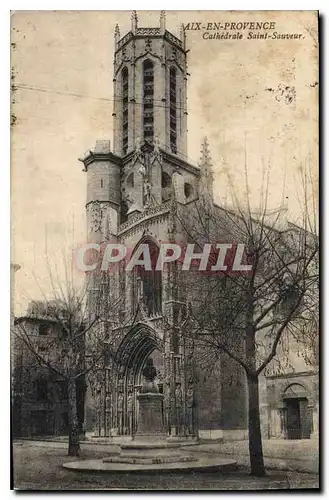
column 135, row 185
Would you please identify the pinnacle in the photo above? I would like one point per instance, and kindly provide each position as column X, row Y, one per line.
column 134, row 21
column 162, row 20
column 117, row 30
column 205, row 153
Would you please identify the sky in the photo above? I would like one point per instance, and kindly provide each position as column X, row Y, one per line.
column 255, row 100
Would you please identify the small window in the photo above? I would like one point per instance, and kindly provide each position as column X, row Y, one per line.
column 44, row 329
column 188, row 190
column 165, row 180
column 123, row 212
column 62, row 389
column 42, row 389
column 130, row 180
column 166, row 184
column 101, row 183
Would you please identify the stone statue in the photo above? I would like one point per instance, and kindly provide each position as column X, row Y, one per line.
column 178, row 395
column 190, row 403
column 150, row 414
column 129, row 200
column 138, row 145
column 190, row 397
column 120, row 413
column 149, row 371
column 130, row 403
column 142, row 170
column 178, row 404
column 108, row 411
column 130, row 412
column 156, row 144
column 120, row 402
column 149, row 374
column 146, row 185
column 147, row 193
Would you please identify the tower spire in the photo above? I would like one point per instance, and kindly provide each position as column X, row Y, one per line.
column 162, row 21
column 206, row 180
column 134, row 21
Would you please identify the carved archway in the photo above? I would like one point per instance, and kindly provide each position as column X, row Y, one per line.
column 297, row 412
column 131, row 356
column 295, row 390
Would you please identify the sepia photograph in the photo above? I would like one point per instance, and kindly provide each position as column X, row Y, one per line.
column 164, row 324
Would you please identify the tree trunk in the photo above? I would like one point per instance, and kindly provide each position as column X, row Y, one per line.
column 255, row 436
column 74, row 443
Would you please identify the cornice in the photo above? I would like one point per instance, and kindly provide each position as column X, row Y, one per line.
column 293, row 374
column 93, row 157
column 100, row 202
column 176, row 160
column 150, row 33
column 143, row 218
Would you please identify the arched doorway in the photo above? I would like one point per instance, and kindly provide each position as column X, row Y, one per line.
column 297, row 412
column 139, row 344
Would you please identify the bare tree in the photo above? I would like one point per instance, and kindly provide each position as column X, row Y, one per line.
column 244, row 315
column 79, row 314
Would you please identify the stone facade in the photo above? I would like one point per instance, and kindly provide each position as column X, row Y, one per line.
column 293, row 405
column 289, row 393
column 39, row 396
column 134, row 191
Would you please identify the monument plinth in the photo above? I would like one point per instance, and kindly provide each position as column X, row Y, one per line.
column 150, row 417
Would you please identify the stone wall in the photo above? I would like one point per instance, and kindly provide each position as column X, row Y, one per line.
column 276, row 387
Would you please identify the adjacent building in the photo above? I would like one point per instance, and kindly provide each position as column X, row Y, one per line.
column 39, row 394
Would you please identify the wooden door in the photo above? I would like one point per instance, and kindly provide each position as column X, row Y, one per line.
column 293, row 419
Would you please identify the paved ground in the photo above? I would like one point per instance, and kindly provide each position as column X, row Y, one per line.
column 38, row 465
column 299, row 456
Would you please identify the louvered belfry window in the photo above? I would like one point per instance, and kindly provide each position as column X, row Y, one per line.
column 173, row 110
column 125, row 88
column 148, row 101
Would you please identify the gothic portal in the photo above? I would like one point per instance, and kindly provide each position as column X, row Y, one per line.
column 133, row 190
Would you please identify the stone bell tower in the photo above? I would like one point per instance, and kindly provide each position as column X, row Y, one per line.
column 150, row 80
column 131, row 185
column 146, row 162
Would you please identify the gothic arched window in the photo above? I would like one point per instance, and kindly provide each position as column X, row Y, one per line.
column 148, row 96
column 173, row 110
column 147, row 285
column 188, row 190
column 124, row 93
column 123, row 212
column 166, row 185
column 130, row 180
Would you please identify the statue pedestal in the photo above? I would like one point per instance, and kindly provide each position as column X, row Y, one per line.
column 150, row 418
